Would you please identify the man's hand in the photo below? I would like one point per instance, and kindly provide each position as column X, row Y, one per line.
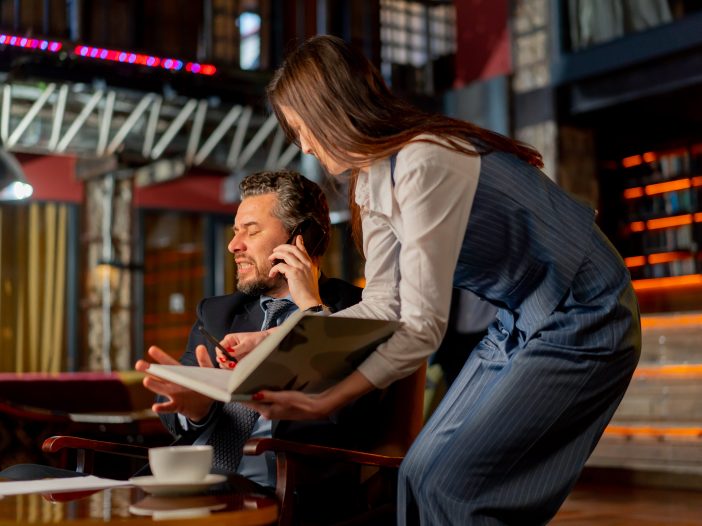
column 187, row 402
column 301, row 272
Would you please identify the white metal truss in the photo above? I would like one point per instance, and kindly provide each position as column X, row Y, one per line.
column 90, row 122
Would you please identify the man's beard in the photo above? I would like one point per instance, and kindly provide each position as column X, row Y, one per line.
column 258, row 286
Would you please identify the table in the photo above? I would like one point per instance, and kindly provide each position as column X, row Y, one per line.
column 130, row 506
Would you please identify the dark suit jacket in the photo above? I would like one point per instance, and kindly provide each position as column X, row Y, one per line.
column 239, row 312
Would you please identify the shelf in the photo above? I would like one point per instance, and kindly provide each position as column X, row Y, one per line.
column 692, row 371
column 674, row 185
column 666, row 283
column 675, row 320
column 656, row 258
column 657, row 432
column 659, row 223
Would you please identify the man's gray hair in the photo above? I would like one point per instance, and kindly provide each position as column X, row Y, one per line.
column 299, row 199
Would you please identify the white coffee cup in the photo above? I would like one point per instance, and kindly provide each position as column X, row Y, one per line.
column 180, row 463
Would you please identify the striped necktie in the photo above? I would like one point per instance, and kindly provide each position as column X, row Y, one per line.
column 237, row 422
column 275, row 308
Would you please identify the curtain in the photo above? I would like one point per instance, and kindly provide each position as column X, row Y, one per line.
column 33, row 287
column 596, row 21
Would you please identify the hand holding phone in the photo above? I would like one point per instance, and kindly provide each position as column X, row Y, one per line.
column 312, row 235
column 230, row 357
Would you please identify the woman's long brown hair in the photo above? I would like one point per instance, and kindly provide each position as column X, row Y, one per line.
column 343, row 100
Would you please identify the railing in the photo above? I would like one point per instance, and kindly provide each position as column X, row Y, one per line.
column 100, row 121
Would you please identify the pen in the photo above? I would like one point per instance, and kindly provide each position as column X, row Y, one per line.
column 207, row 335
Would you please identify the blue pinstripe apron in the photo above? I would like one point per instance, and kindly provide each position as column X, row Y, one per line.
column 511, row 436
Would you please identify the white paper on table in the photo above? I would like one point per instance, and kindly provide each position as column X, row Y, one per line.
column 59, row 485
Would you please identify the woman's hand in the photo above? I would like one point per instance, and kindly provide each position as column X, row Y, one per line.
column 295, row 405
column 291, row 405
column 301, row 272
column 240, row 344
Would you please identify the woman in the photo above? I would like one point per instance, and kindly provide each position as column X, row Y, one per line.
column 445, row 203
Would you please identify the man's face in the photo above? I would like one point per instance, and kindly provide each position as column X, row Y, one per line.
column 256, row 233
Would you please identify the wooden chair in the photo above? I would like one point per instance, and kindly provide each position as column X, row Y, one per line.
column 298, row 462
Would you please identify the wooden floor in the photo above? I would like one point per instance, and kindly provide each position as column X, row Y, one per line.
column 620, row 505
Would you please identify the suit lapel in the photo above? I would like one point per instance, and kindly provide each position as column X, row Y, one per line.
column 247, row 315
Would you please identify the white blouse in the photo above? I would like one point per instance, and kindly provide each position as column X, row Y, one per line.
column 412, row 235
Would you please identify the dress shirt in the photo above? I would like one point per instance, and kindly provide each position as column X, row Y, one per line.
column 412, row 235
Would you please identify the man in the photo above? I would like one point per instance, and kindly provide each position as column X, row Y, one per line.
column 273, row 205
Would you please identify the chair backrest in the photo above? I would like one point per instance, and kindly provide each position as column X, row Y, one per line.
column 403, row 407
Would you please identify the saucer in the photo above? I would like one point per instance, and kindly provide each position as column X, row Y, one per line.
column 161, row 487
column 182, row 507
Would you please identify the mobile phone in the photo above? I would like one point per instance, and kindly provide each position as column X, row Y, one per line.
column 312, row 235
column 216, row 343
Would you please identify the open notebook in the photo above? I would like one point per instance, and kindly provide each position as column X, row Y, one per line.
column 308, row 352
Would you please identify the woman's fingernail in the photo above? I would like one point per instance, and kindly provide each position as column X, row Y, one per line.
column 221, row 359
column 231, row 365
column 230, row 350
column 257, row 396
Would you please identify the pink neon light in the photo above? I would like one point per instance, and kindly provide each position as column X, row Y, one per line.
column 29, row 43
column 110, row 54
column 144, row 60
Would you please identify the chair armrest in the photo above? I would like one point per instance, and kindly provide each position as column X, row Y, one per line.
column 256, row 446
column 57, row 443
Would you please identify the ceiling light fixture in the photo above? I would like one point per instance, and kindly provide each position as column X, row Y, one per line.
column 13, row 183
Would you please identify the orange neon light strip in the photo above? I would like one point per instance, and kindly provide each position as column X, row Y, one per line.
column 665, row 322
column 637, row 226
column 669, row 371
column 670, row 221
column 667, row 283
column 650, row 431
column 634, row 160
column 667, row 257
column 668, row 186
column 649, row 157
column 665, row 222
column 655, row 259
column 633, row 193
column 661, row 188
column 635, row 261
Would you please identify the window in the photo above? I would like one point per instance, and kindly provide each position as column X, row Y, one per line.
column 250, row 34
column 414, row 34
column 592, row 22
